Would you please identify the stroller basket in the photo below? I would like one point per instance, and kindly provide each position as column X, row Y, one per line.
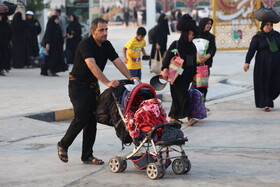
column 143, row 160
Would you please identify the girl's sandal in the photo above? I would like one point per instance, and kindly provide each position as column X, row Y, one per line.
column 266, row 109
column 176, row 120
column 62, row 153
column 191, row 122
column 93, row 160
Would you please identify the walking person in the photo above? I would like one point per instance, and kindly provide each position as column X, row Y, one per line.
column 62, row 22
column 126, row 16
column 90, row 60
column 74, row 32
column 33, row 30
column 205, row 25
column 5, row 45
column 267, row 67
column 54, row 46
column 132, row 52
column 181, row 106
column 19, row 42
column 159, row 36
column 135, row 16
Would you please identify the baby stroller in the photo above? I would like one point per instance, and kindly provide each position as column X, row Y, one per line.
column 156, row 145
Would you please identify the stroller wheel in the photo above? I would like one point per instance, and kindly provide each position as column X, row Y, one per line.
column 179, row 166
column 124, row 166
column 163, row 171
column 154, row 171
column 117, row 165
column 188, row 166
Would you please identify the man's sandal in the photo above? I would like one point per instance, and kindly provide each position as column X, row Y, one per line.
column 62, row 153
column 93, row 160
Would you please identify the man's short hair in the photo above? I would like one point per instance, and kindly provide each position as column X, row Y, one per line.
column 58, row 11
column 141, row 31
column 95, row 22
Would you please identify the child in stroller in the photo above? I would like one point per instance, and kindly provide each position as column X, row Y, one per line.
column 144, row 119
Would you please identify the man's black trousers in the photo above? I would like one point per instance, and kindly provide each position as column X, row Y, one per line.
column 84, row 98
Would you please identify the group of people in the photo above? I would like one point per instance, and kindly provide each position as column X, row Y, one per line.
column 19, row 43
column 20, row 46
column 90, row 61
column 53, row 42
column 92, row 53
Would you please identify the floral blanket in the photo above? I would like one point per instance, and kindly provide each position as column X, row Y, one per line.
column 149, row 114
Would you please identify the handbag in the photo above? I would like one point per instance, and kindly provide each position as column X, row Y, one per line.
column 175, row 65
column 174, row 68
column 198, row 108
column 202, row 76
column 156, row 63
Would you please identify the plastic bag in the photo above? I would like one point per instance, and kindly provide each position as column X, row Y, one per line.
column 202, row 76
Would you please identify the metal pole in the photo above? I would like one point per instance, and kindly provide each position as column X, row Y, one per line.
column 150, row 14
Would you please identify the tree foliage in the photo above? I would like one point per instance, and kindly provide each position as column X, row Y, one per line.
column 36, row 6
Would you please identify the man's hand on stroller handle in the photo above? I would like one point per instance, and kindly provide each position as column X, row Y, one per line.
column 135, row 79
column 113, row 83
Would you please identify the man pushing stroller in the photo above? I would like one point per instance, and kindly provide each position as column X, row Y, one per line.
column 90, row 60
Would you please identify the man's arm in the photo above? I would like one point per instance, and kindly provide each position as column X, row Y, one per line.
column 95, row 70
column 124, row 55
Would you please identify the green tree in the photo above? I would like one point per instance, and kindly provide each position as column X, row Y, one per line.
column 36, row 6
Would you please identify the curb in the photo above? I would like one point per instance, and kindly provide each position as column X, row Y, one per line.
column 66, row 114
column 52, row 116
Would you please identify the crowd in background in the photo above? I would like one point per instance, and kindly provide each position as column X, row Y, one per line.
column 20, row 48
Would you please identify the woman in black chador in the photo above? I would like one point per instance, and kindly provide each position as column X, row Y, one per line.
column 205, row 25
column 54, row 45
column 267, row 67
column 74, row 31
column 159, row 35
column 33, row 30
column 180, row 107
column 5, row 39
column 19, row 40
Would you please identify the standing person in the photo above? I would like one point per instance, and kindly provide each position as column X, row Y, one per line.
column 205, row 25
column 5, row 41
column 126, row 16
column 62, row 21
column 90, row 60
column 267, row 67
column 74, row 32
column 33, row 30
column 19, row 42
column 180, row 107
column 179, row 14
column 54, row 45
column 135, row 46
column 159, row 36
column 135, row 16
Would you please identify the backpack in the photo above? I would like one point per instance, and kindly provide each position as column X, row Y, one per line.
column 150, row 35
column 108, row 114
column 105, row 107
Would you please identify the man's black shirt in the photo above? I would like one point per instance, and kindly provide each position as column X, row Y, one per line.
column 89, row 49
